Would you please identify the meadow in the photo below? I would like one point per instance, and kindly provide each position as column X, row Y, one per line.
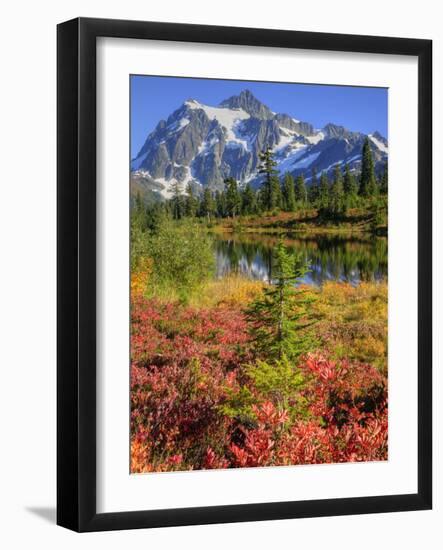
column 231, row 370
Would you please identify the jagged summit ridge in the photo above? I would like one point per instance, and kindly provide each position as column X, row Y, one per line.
column 247, row 102
column 201, row 145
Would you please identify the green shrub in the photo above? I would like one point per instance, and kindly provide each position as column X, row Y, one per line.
column 238, row 404
column 139, row 244
column 182, row 257
column 281, row 382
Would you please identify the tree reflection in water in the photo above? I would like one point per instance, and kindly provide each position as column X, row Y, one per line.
column 332, row 258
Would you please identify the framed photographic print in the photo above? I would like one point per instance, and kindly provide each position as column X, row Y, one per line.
column 244, row 274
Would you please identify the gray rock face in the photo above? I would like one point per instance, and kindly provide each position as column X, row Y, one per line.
column 250, row 104
column 303, row 128
column 200, row 145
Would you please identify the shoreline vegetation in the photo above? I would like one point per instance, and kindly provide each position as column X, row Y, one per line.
column 305, row 223
column 347, row 202
column 231, row 371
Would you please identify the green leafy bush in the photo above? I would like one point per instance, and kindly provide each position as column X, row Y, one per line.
column 280, row 382
column 182, row 258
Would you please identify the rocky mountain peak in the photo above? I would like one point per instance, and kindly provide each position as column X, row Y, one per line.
column 247, row 101
column 334, row 131
column 381, row 138
column 201, row 145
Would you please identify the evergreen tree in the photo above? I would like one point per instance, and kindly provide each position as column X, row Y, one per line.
column 220, row 204
column 323, row 196
column 207, row 205
column 350, row 186
column 288, row 192
column 314, row 190
column 300, row 190
column 191, row 202
column 138, row 203
column 336, row 196
column 271, row 184
column 177, row 204
column 138, row 213
column 156, row 214
column 276, row 193
column 280, row 320
column 233, row 197
column 262, row 199
column 249, row 202
column 384, row 180
column 368, row 183
column 378, row 213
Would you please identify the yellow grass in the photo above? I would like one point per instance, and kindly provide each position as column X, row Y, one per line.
column 231, row 290
column 354, row 321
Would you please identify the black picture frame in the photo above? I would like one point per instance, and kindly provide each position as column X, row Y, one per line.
column 76, row 280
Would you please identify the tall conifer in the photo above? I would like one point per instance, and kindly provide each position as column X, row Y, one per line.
column 249, row 202
column 289, row 192
column 233, row 198
column 177, row 203
column 300, row 190
column 323, row 198
column 191, row 202
column 271, row 185
column 336, row 197
column 368, row 182
column 207, row 206
column 314, row 190
column 384, row 180
column 349, row 183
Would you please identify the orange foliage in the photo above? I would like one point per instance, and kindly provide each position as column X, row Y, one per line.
column 140, row 278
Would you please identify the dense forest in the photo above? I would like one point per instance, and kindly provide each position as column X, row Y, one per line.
column 331, row 198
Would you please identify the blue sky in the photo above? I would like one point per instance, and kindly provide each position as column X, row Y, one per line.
column 359, row 109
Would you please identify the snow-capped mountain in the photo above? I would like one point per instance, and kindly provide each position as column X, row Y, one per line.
column 202, row 145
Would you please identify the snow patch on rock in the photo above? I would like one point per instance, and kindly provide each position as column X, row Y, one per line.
column 378, row 143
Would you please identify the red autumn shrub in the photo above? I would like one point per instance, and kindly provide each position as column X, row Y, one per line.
column 348, row 405
column 182, row 362
column 186, row 365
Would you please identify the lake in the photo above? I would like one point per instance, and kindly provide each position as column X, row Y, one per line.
column 332, row 258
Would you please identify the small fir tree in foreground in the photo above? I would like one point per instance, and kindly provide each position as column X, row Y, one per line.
column 280, row 319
